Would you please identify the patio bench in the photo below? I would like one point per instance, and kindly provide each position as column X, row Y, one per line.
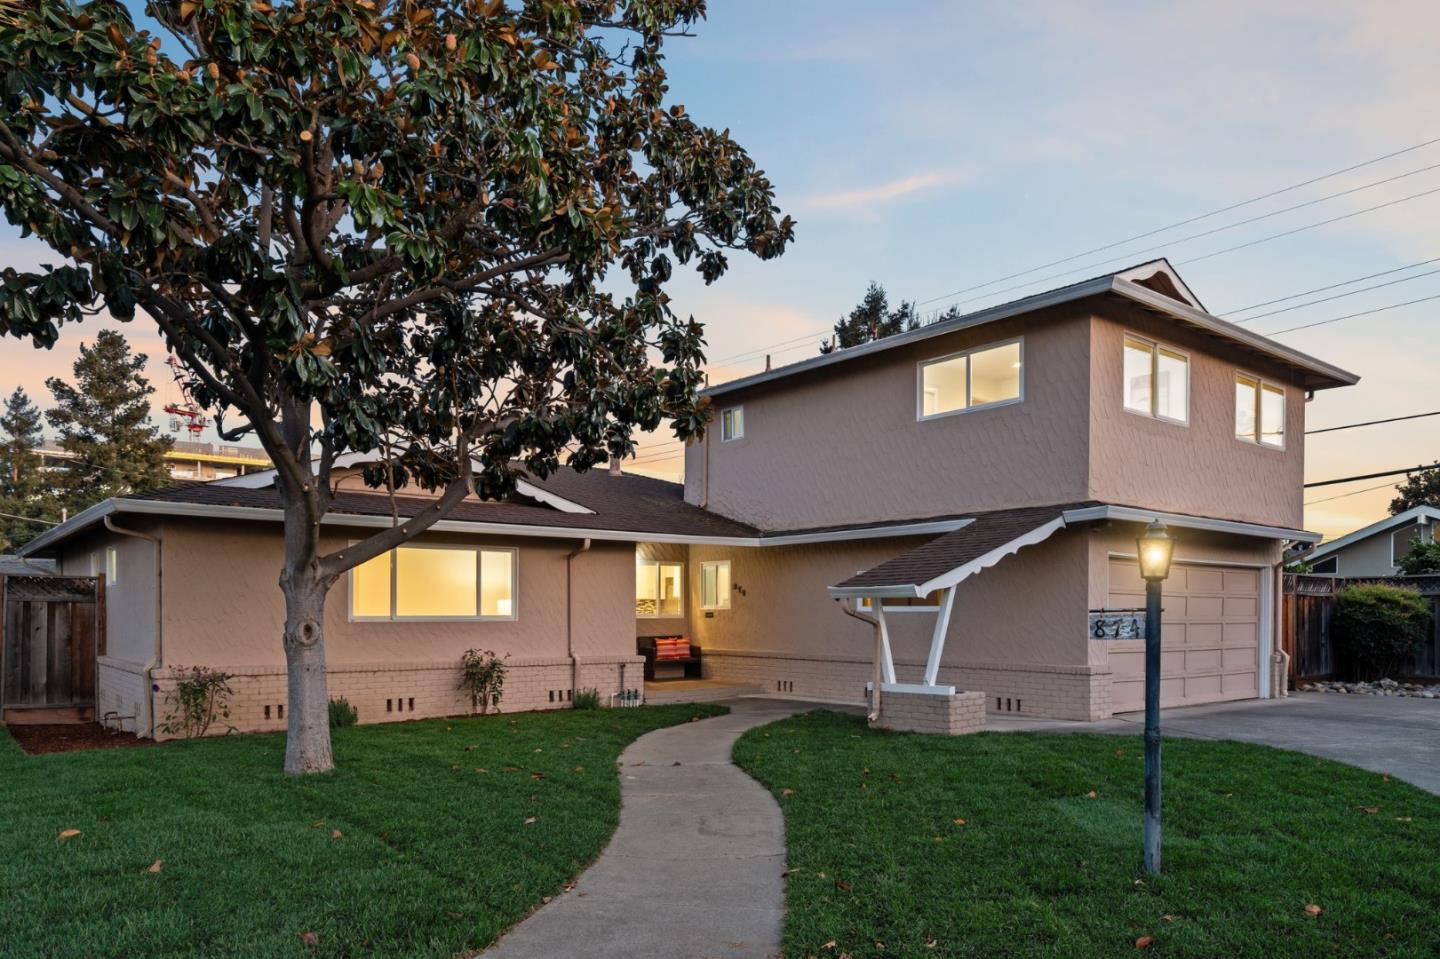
column 674, row 655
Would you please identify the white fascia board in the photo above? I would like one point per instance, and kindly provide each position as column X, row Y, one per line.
column 1131, row 514
column 258, row 514
column 74, row 524
column 549, row 498
column 954, row 576
column 1390, row 522
column 1213, row 324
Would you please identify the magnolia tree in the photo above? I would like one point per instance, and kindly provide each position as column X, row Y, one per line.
column 438, row 230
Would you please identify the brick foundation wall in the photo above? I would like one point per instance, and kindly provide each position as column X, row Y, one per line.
column 396, row 692
column 1049, row 691
column 120, row 694
column 953, row 714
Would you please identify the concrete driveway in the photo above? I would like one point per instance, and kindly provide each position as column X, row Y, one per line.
column 1385, row 734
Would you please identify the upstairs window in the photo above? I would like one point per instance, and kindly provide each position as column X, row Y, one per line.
column 989, row 376
column 1259, row 411
column 659, row 589
column 732, row 424
column 1157, row 380
column 435, row 582
column 715, row 585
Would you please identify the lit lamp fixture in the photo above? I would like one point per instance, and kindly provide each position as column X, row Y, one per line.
column 1155, row 549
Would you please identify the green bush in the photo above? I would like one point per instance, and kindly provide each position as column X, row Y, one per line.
column 1378, row 627
column 342, row 714
column 587, row 699
column 482, row 675
column 1423, row 558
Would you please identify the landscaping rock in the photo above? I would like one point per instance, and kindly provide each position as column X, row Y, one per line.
column 1384, row 687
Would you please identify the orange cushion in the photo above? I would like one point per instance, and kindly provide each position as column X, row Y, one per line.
column 672, row 647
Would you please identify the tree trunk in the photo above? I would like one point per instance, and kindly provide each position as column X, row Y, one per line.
column 307, row 742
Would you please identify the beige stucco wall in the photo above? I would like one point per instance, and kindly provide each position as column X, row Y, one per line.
column 843, row 445
column 1199, row 468
column 241, row 624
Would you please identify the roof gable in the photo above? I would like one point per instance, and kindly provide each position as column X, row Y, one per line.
column 1428, row 514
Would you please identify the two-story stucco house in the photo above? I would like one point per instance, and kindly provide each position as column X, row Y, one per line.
column 941, row 510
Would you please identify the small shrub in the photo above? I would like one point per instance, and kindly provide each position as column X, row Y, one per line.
column 1423, row 558
column 587, row 699
column 200, row 697
column 342, row 714
column 482, row 675
column 1378, row 627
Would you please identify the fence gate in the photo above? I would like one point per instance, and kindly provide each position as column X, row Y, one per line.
column 52, row 634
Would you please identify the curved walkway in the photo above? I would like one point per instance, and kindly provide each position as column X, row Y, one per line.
column 696, row 868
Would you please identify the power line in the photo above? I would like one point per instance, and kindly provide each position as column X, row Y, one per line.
column 1338, row 296
column 1351, row 426
column 1206, row 256
column 1351, row 316
column 1354, row 479
column 1357, row 492
column 1185, row 222
column 30, row 519
column 1322, row 289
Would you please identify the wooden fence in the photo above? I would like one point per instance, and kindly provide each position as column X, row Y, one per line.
column 1309, row 610
column 53, row 629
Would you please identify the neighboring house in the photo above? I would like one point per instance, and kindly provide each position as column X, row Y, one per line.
column 983, row 479
column 1377, row 549
column 187, row 460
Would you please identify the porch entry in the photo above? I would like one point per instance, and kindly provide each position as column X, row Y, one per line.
column 53, row 631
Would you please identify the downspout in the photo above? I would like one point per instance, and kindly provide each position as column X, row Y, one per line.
column 158, row 653
column 879, row 653
column 569, row 615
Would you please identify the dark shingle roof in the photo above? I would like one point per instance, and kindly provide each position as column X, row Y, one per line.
column 625, row 503
column 990, row 531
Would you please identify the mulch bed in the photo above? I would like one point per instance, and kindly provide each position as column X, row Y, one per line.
column 65, row 737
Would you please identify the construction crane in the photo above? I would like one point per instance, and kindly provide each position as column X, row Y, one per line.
column 186, row 414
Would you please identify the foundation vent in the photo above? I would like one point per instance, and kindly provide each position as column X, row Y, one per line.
column 784, row 686
column 1005, row 704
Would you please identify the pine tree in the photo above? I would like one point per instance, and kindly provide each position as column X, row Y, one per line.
column 23, row 490
column 103, row 421
column 872, row 319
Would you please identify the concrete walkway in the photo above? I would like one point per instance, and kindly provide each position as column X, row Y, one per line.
column 696, row 868
column 1384, row 734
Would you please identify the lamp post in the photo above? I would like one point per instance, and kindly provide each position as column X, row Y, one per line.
column 1155, row 550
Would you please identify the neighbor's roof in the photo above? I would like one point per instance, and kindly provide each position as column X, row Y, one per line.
column 991, row 536
column 1154, row 285
column 1425, row 513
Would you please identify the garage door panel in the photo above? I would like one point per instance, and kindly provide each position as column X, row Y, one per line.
column 1211, row 636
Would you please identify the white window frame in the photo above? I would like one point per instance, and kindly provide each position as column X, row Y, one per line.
column 1417, row 531
column 727, row 417
column 1260, row 384
column 479, row 617
column 107, row 561
column 922, row 365
column 1155, row 347
column 721, row 601
column 643, row 560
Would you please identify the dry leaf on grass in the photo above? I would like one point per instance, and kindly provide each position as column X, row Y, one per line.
column 1144, row 942
column 67, row 834
column 1372, row 810
column 531, row 820
column 787, row 792
column 336, row 834
column 1092, row 794
column 843, row 886
column 1313, row 911
column 958, row 822
column 156, row 866
column 309, row 938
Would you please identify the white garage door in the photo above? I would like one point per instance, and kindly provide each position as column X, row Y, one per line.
column 1211, row 638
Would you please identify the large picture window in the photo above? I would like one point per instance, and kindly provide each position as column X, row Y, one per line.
column 988, row 376
column 435, row 582
column 1259, row 411
column 715, row 585
column 1157, row 380
column 659, row 589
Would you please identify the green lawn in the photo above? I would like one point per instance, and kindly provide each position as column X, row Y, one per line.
column 434, row 855
column 1047, row 859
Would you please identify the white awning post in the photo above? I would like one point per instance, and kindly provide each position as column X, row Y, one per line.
column 937, row 642
column 887, row 663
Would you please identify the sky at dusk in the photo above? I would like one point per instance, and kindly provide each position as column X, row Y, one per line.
column 934, row 147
